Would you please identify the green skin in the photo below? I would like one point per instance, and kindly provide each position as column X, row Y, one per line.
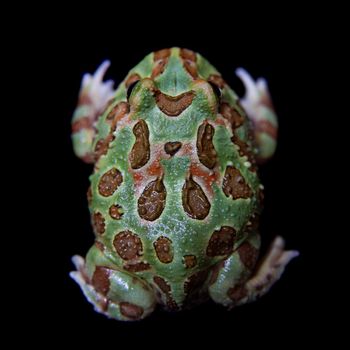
column 226, row 277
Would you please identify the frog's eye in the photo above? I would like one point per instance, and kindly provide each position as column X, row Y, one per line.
column 216, row 89
column 131, row 88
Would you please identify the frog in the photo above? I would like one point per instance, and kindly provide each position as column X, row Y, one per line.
column 175, row 196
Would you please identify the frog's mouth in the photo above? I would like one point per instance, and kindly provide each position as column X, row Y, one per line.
column 174, row 105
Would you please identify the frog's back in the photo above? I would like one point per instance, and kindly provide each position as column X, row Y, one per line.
column 175, row 188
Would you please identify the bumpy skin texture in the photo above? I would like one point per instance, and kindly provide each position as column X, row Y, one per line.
column 175, row 197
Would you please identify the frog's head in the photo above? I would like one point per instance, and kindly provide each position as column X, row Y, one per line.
column 174, row 79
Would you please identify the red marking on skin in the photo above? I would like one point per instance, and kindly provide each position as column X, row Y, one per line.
column 155, row 168
column 208, row 177
column 187, row 150
column 137, row 178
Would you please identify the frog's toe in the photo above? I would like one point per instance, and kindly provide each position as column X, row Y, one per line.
column 271, row 268
column 98, row 91
column 81, row 278
column 112, row 292
column 259, row 108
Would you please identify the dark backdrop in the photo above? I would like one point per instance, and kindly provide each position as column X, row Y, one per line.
column 278, row 52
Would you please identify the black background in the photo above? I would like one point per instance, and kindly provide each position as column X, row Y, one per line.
column 278, row 50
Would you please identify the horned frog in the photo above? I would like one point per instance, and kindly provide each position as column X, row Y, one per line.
column 175, row 197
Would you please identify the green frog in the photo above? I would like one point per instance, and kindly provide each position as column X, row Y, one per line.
column 175, row 197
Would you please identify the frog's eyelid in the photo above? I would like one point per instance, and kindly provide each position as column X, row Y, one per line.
column 216, row 89
column 131, row 88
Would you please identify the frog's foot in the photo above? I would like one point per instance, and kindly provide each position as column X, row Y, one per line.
column 94, row 96
column 114, row 293
column 270, row 270
column 95, row 90
column 80, row 277
column 233, row 281
column 258, row 106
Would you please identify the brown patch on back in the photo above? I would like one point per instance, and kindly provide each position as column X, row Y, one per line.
column 160, row 59
column 89, row 196
column 171, row 304
column 117, row 113
column 248, row 255
column 174, row 105
column 237, row 293
column 194, row 200
column 99, row 246
column 253, row 224
column 152, row 200
column 217, row 80
column 161, row 54
column 162, row 284
column 109, row 182
column 164, row 249
column 189, row 61
column 102, row 146
column 235, row 185
column 188, row 55
column 266, row 127
column 244, row 150
column 115, row 211
column 205, row 147
column 98, row 223
column 221, row 242
column 82, row 123
column 261, row 196
column 132, row 79
column 131, row 311
column 172, row 147
column 140, row 152
column 137, row 267
column 195, row 282
column 190, row 261
column 100, row 279
column 128, row 245
column 215, row 272
column 166, row 289
column 88, row 158
column 232, row 115
column 84, row 99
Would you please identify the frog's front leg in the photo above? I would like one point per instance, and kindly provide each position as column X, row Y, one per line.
column 93, row 98
column 234, row 281
column 259, row 108
column 113, row 292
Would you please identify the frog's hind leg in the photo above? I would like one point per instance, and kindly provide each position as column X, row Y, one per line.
column 258, row 106
column 234, row 281
column 113, row 292
column 93, row 98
